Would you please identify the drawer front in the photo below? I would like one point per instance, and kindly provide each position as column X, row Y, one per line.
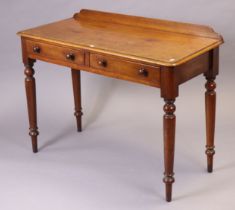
column 127, row 70
column 55, row 54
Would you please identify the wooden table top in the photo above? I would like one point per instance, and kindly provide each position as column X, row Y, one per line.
column 155, row 41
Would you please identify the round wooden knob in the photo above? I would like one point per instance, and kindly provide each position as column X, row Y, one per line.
column 70, row 56
column 36, row 49
column 143, row 72
column 102, row 63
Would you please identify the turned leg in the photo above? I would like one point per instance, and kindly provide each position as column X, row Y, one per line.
column 169, row 146
column 77, row 97
column 31, row 102
column 210, row 105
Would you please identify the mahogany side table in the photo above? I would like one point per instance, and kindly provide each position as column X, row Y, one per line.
column 154, row 52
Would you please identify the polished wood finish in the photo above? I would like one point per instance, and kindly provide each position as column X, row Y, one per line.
column 54, row 54
column 210, row 100
column 192, row 68
column 153, row 52
column 147, row 23
column 169, row 145
column 169, row 91
column 76, row 79
column 127, row 70
column 154, row 41
column 30, row 87
column 210, row 105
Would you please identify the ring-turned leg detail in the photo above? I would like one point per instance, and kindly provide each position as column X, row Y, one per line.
column 76, row 79
column 210, row 105
column 78, row 114
column 169, row 146
column 30, row 87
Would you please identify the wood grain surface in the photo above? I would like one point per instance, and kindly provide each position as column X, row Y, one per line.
column 156, row 41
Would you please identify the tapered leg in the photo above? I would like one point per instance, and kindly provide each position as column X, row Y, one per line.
column 31, row 102
column 77, row 97
column 210, row 105
column 169, row 146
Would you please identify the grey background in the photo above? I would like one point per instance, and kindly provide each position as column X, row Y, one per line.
column 117, row 161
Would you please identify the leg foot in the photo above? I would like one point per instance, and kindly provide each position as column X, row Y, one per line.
column 34, row 134
column 168, row 180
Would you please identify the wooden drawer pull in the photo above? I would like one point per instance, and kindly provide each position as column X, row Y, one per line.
column 102, row 63
column 143, row 72
column 36, row 49
column 70, row 56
